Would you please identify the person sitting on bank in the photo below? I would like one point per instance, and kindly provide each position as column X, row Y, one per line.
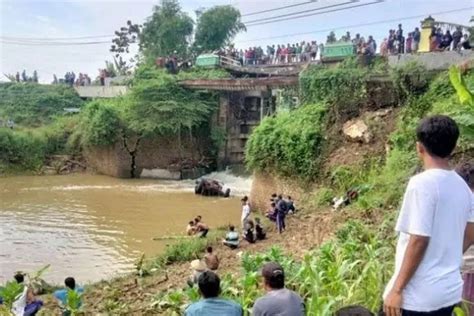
column 26, row 303
column 201, row 228
column 278, row 300
column 197, row 268
column 62, row 295
column 260, row 233
column 211, row 304
column 249, row 234
column 271, row 213
column 232, row 238
column 211, row 259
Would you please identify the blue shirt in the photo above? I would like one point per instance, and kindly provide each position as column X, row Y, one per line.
column 214, row 306
column 61, row 295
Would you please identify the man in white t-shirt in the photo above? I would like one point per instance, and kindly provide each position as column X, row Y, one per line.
column 245, row 211
column 432, row 225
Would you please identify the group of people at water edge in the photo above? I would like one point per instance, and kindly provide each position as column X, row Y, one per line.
column 435, row 227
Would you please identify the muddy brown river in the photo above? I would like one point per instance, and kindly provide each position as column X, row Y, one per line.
column 94, row 227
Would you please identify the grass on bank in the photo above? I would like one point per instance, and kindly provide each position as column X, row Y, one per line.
column 352, row 268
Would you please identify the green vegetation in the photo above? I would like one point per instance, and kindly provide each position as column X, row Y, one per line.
column 380, row 180
column 352, row 268
column 156, row 106
column 170, row 31
column 33, row 105
column 216, row 28
column 291, row 143
column 167, row 30
column 288, row 143
column 27, row 149
column 9, row 293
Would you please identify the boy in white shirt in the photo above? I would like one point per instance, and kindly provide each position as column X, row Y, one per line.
column 434, row 221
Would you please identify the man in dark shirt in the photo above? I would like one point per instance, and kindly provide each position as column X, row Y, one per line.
column 416, row 40
column 278, row 300
column 457, row 36
column 282, row 209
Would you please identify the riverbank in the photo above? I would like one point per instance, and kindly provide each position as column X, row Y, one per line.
column 147, row 295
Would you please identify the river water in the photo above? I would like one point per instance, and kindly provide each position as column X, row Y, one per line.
column 94, row 227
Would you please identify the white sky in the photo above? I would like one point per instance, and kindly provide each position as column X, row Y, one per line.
column 74, row 18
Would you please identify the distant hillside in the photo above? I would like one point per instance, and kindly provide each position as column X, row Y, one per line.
column 32, row 104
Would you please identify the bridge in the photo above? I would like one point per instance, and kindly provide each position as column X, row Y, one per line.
column 100, row 91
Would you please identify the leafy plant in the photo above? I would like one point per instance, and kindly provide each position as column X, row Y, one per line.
column 10, row 292
column 465, row 96
column 73, row 302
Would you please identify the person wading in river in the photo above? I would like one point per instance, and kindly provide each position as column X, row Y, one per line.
column 201, row 228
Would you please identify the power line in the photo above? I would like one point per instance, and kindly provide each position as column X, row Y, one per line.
column 299, row 12
column 358, row 25
column 317, row 13
column 53, row 43
column 281, row 8
column 52, row 38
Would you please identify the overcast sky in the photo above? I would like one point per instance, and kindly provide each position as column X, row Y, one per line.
column 49, row 20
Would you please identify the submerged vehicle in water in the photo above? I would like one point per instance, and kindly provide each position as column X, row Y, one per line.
column 210, row 187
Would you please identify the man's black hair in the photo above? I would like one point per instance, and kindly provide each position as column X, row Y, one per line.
column 438, row 134
column 280, row 197
column 231, row 228
column 196, row 220
column 289, row 197
column 209, row 249
column 274, row 195
column 70, row 283
column 273, row 204
column 274, row 275
column 19, row 278
column 191, row 222
column 354, row 310
column 209, row 284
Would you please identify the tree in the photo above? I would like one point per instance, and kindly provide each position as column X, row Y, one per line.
column 217, row 27
column 125, row 38
column 166, row 31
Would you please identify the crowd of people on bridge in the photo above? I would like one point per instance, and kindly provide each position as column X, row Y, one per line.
column 71, row 79
column 397, row 43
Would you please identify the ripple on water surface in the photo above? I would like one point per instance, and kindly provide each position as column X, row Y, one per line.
column 93, row 227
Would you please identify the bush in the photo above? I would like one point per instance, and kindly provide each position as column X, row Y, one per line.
column 100, row 124
column 333, row 85
column 288, row 144
column 21, row 149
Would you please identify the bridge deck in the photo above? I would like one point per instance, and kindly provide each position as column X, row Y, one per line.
column 100, row 91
